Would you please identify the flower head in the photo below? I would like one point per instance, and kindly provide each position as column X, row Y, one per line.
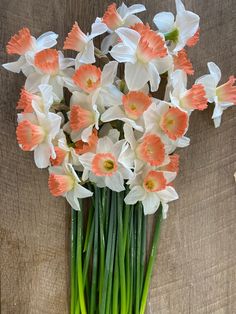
column 87, row 77
column 47, row 61
column 20, row 43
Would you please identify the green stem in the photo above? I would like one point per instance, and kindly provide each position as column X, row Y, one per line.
column 138, row 255
column 88, row 228
column 95, row 255
column 73, row 282
column 88, row 252
column 151, row 260
column 126, row 222
column 115, row 283
column 132, row 259
column 111, row 234
column 121, row 252
column 79, row 262
column 143, row 251
column 110, row 277
column 102, row 243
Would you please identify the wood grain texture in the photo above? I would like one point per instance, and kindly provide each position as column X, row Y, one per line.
column 196, row 270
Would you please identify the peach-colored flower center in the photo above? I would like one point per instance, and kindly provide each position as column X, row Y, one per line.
column 90, row 146
column 182, row 62
column 20, row 43
column 87, row 77
column 104, row 164
column 174, row 123
column 194, row 40
column 76, row 39
column 29, row 135
column 80, row 118
column 151, row 46
column 173, row 165
column 25, row 101
column 151, row 150
column 112, row 18
column 47, row 61
column 195, row 98
column 135, row 103
column 60, row 156
column 154, row 181
column 140, row 27
column 60, row 184
column 227, row 91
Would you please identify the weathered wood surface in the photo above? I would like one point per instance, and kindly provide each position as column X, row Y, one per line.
column 195, row 271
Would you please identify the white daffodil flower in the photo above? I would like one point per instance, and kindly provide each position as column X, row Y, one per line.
column 50, row 68
column 145, row 56
column 99, row 84
column 83, row 117
column 180, row 29
column 63, row 181
column 64, row 153
column 146, row 149
column 131, row 111
column 169, row 122
column 224, row 96
column 152, row 188
column 43, row 100
column 110, row 165
column 187, row 99
column 114, row 18
column 25, row 45
column 78, row 41
column 35, row 132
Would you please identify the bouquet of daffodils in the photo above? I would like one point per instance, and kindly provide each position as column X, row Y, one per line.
column 106, row 124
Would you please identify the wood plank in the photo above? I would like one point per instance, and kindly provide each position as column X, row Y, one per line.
column 195, row 270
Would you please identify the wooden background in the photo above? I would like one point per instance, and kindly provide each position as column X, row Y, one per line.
column 196, row 266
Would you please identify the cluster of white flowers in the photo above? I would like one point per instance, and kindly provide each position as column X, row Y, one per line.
column 115, row 132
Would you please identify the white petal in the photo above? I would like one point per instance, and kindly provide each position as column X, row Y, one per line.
column 97, row 29
column 46, row 92
column 15, row 66
column 109, row 73
column 131, row 20
column 150, row 203
column 82, row 192
column 42, row 155
column 188, row 23
column 163, row 64
column 113, row 113
column 209, row 83
column 73, row 200
column 86, row 160
column 108, row 42
column 33, row 81
column 168, row 195
column 164, row 21
column 136, row 194
column 86, row 133
column 179, row 6
column 136, row 75
column 215, row 71
column 129, row 135
column 87, row 55
column 135, row 8
column 165, row 208
column 115, row 182
column 154, row 77
column 129, row 37
column 183, row 142
column 105, row 145
column 46, row 40
column 123, row 53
